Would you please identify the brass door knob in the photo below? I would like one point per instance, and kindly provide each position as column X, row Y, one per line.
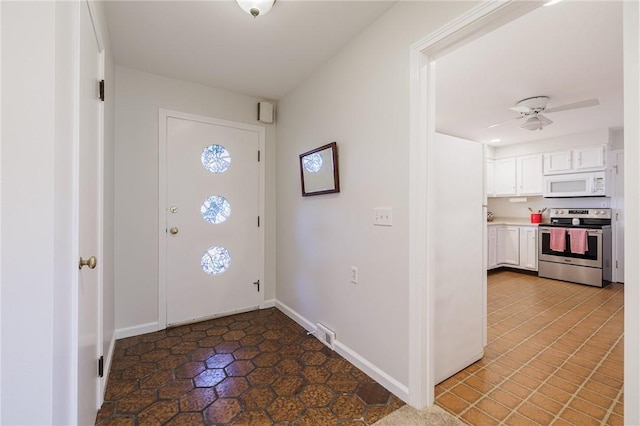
column 173, row 230
column 90, row 262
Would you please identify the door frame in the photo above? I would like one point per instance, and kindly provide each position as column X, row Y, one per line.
column 617, row 228
column 163, row 115
column 469, row 26
column 478, row 21
column 102, row 381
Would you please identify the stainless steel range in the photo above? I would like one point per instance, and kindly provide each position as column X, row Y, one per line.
column 589, row 265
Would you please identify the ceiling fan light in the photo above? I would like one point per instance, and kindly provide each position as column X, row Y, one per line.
column 256, row 8
column 533, row 123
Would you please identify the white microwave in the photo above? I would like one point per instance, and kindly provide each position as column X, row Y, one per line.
column 591, row 184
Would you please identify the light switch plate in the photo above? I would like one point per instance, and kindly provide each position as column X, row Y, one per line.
column 383, row 216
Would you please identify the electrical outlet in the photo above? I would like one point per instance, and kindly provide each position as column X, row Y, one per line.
column 383, row 216
column 354, row 275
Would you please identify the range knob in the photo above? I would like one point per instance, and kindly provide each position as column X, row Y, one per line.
column 558, row 212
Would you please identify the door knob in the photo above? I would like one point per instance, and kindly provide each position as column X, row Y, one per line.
column 90, row 262
column 173, row 230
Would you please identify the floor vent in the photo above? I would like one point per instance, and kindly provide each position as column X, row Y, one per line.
column 325, row 335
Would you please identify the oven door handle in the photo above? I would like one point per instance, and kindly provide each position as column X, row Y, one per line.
column 593, row 232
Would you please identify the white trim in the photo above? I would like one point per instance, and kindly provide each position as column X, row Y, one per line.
column 631, row 53
column 616, row 201
column 107, row 365
column 136, row 330
column 302, row 321
column 268, row 304
column 392, row 385
column 96, row 25
column 1, row 381
column 163, row 115
column 478, row 21
column 213, row 316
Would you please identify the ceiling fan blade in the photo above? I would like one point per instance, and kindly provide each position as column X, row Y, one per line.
column 575, row 105
column 521, row 109
column 505, row 122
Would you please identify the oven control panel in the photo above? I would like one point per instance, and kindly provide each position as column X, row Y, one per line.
column 581, row 213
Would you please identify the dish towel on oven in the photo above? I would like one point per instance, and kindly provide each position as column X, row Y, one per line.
column 558, row 241
column 579, row 241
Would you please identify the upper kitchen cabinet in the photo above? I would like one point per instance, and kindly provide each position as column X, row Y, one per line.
column 489, row 182
column 515, row 176
column 529, row 170
column 505, row 179
column 585, row 159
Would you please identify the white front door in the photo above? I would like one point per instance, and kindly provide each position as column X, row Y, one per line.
column 89, row 122
column 212, row 233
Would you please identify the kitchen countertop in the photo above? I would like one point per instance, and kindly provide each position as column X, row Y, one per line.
column 517, row 221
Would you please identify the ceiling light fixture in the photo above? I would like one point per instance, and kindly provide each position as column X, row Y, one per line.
column 552, row 2
column 536, row 123
column 495, row 140
column 256, row 7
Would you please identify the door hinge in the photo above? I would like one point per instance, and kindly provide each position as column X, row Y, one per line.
column 257, row 283
column 258, row 156
column 258, row 221
column 101, row 366
column 616, row 264
column 102, row 90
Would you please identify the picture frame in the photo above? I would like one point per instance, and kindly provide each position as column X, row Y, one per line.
column 319, row 170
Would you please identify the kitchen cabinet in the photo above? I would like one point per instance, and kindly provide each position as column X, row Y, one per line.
column 515, row 176
column 508, row 247
column 590, row 158
column 557, row 162
column 585, row 159
column 489, row 174
column 512, row 246
column 528, row 255
column 505, row 179
column 492, row 247
column 529, row 175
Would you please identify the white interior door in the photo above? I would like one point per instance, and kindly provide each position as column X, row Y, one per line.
column 90, row 122
column 460, row 306
column 213, row 239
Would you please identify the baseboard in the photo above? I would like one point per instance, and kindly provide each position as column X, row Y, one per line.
column 302, row 321
column 391, row 384
column 136, row 330
column 268, row 304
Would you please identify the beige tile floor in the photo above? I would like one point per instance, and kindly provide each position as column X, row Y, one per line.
column 554, row 356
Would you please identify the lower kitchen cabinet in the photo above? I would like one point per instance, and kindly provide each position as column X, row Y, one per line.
column 509, row 245
column 529, row 247
column 512, row 246
column 492, row 247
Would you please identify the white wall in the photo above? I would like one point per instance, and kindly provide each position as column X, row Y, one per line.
column 360, row 99
column 139, row 95
column 502, row 207
column 28, row 176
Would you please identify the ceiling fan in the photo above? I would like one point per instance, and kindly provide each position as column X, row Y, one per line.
column 531, row 109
